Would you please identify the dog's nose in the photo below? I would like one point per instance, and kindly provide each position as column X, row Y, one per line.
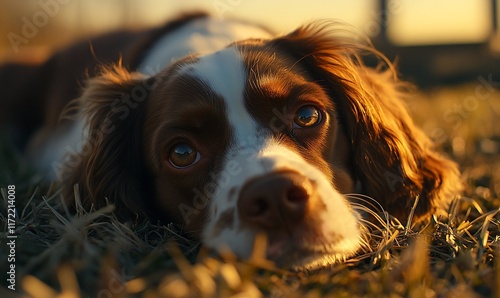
column 275, row 200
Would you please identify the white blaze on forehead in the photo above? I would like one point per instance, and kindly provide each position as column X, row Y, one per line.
column 225, row 74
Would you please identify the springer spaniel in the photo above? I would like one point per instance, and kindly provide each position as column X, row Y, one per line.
column 233, row 132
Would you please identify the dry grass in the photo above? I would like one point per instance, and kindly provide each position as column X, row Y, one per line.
column 94, row 255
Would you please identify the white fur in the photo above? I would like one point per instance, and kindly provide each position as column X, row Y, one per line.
column 338, row 219
column 49, row 158
column 225, row 74
column 257, row 154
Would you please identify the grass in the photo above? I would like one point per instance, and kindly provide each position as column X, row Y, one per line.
column 91, row 254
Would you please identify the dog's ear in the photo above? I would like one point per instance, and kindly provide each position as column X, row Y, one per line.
column 109, row 169
column 393, row 159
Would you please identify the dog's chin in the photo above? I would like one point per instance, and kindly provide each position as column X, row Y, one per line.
column 294, row 257
column 308, row 261
column 316, row 261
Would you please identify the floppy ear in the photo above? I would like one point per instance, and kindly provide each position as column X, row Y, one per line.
column 110, row 166
column 393, row 159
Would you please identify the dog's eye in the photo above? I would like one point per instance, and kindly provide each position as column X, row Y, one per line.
column 307, row 116
column 183, row 155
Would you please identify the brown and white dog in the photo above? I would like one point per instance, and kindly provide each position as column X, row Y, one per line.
column 231, row 131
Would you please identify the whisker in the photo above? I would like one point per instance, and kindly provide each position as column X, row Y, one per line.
column 384, row 221
column 366, row 199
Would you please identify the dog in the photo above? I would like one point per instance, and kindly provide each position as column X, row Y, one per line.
column 233, row 131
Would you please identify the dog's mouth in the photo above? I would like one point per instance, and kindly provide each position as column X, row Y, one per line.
column 296, row 254
column 307, row 260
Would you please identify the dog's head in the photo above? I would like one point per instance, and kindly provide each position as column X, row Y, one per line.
column 264, row 136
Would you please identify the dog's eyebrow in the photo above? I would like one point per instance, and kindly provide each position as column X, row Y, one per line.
column 195, row 124
column 196, row 116
column 176, row 127
column 273, row 87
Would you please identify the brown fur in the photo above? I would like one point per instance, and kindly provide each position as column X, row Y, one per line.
column 393, row 159
column 110, row 167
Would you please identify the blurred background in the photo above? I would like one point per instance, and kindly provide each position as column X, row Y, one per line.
column 435, row 41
